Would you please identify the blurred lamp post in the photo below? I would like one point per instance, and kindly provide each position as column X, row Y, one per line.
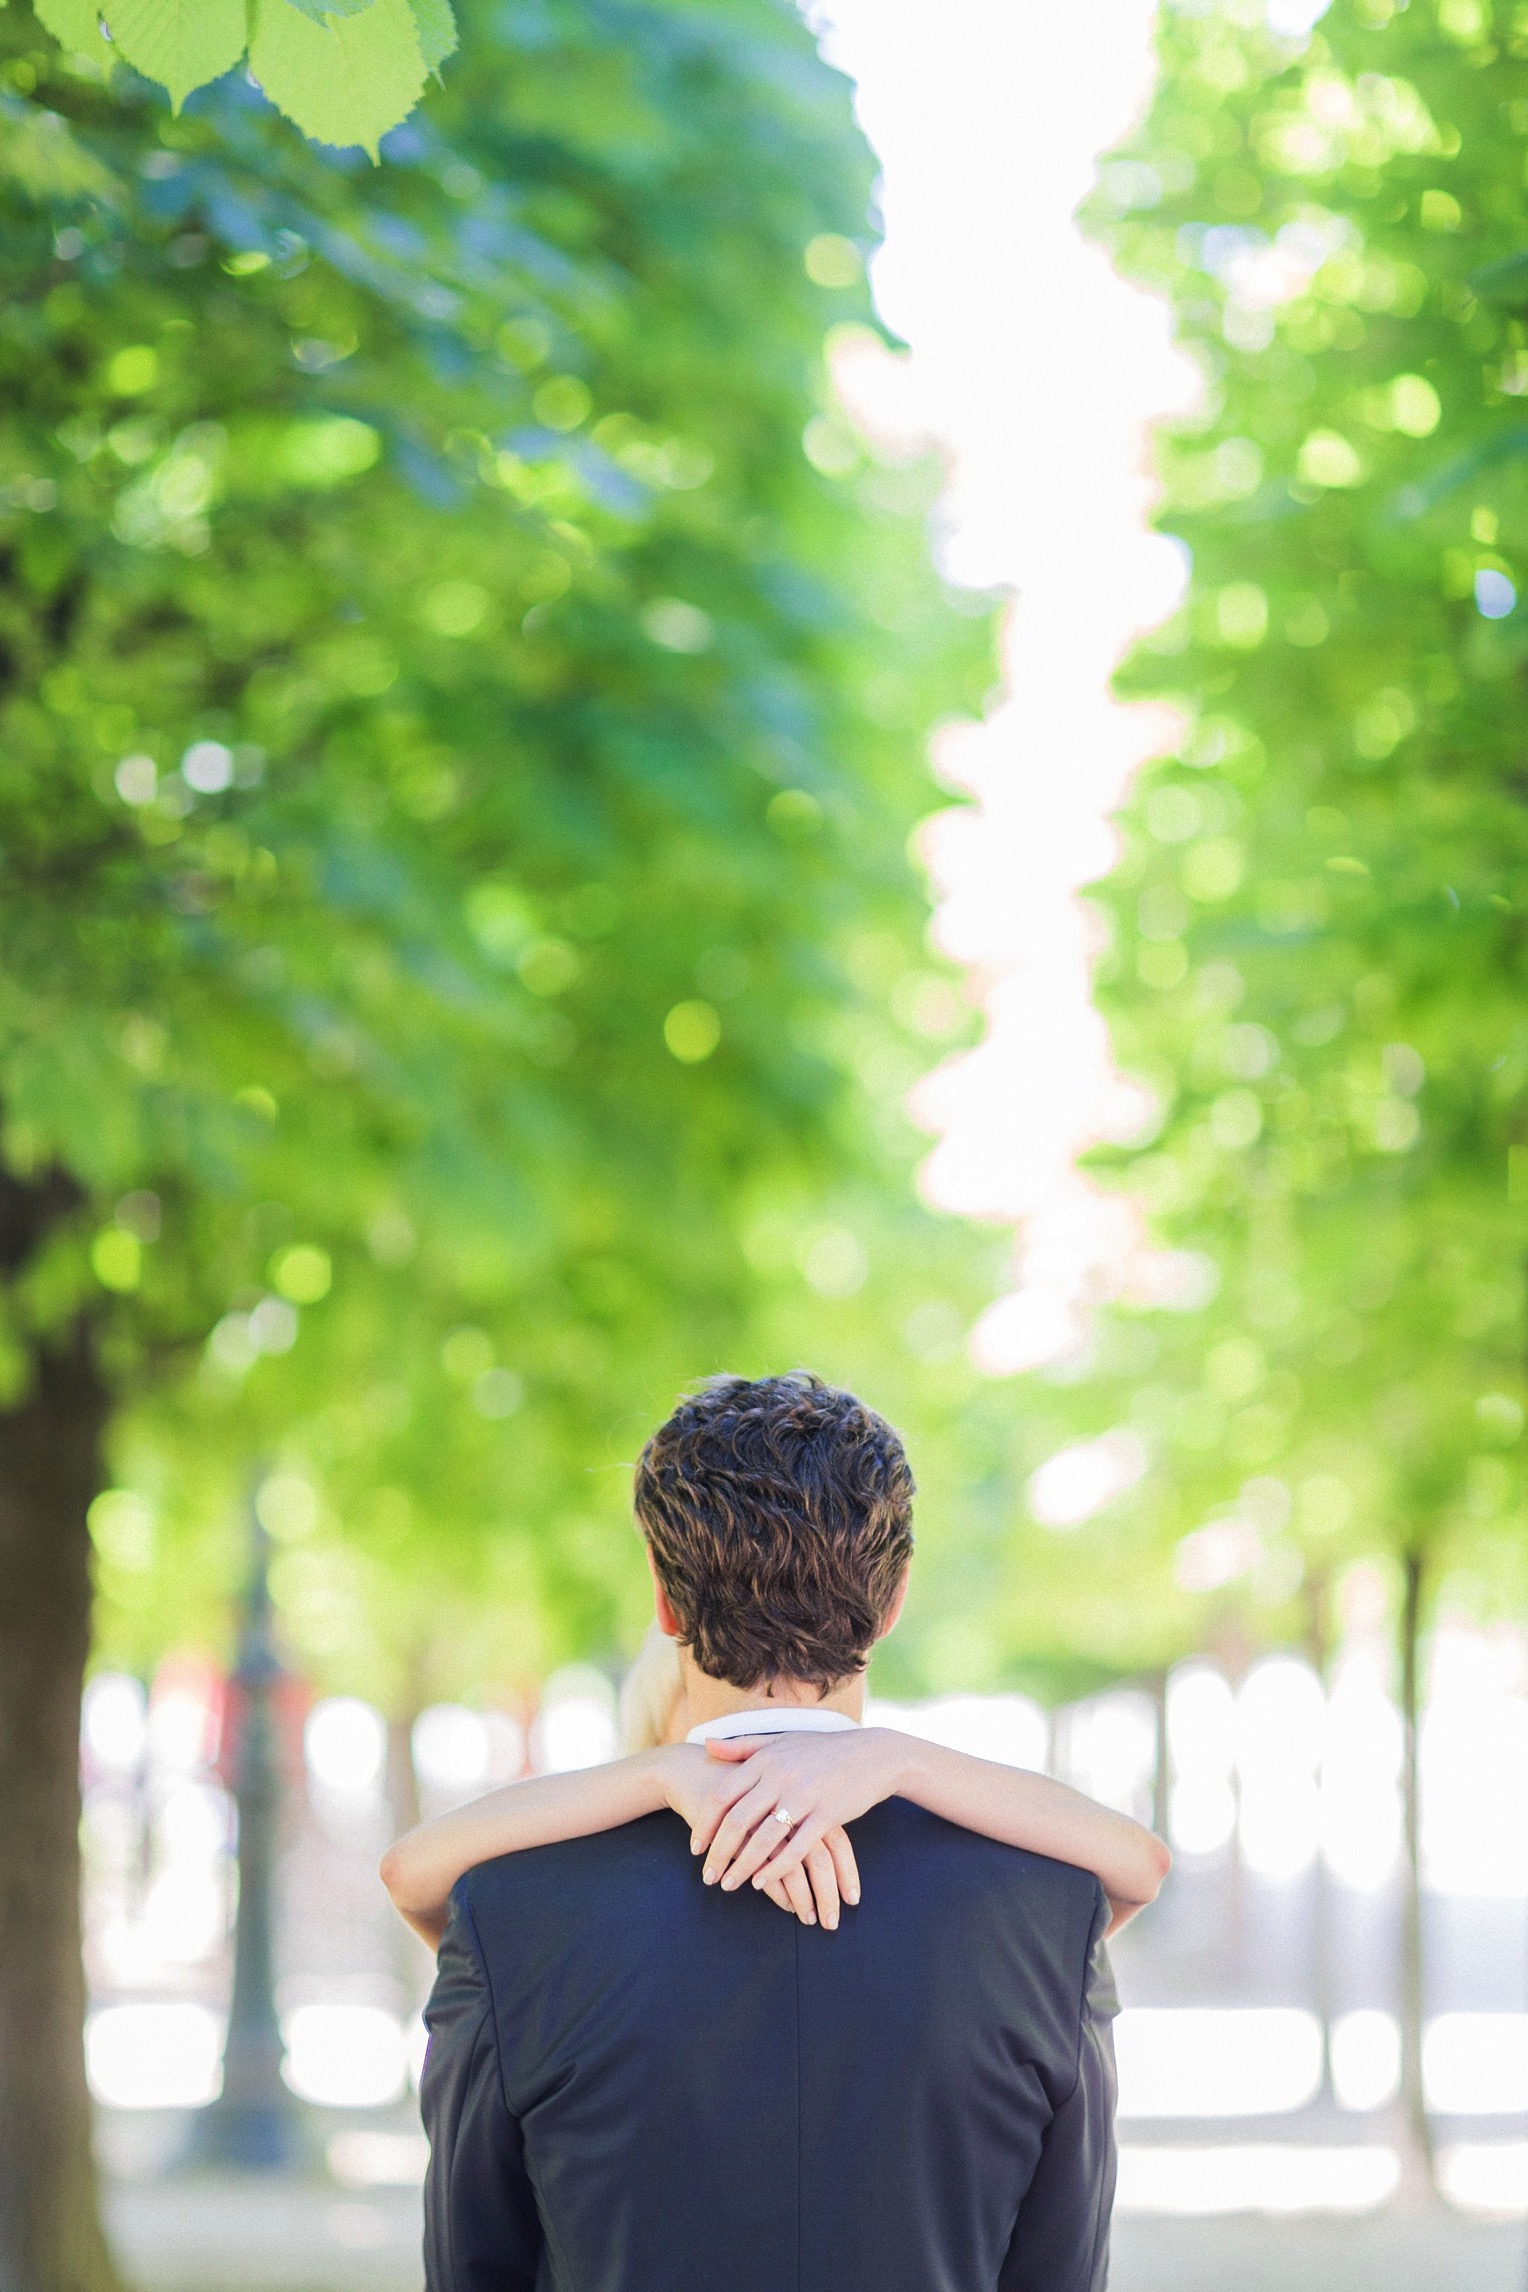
column 256, row 2122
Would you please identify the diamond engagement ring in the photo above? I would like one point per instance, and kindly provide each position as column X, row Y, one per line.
column 786, row 1822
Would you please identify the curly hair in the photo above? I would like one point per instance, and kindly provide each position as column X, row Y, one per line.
column 778, row 1511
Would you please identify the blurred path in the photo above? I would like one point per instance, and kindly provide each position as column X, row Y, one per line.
column 254, row 2235
column 1387, row 2253
column 203, row 2234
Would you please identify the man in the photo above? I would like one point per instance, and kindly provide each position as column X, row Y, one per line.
column 636, row 2083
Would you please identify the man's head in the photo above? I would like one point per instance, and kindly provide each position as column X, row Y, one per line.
column 778, row 1512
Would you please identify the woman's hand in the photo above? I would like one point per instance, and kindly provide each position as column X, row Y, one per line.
column 705, row 1791
column 821, row 1781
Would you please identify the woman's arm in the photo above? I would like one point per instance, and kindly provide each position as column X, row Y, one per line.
column 832, row 1779
column 420, row 1869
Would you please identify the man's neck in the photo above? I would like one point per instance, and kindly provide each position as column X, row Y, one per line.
column 706, row 1698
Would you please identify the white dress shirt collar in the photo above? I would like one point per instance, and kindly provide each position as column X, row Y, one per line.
column 774, row 1719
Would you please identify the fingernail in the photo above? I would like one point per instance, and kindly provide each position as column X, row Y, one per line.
column 729, row 1884
column 831, row 1925
column 808, row 1921
column 851, row 1899
column 710, row 1877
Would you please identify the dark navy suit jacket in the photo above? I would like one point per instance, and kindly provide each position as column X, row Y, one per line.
column 636, row 2083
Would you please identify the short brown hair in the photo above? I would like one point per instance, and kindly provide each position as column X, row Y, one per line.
column 778, row 1511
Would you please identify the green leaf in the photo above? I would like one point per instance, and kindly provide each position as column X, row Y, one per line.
column 320, row 11
column 343, row 82
column 436, row 27
column 180, row 43
column 75, row 24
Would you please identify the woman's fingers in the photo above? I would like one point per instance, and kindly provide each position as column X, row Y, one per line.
column 845, row 1867
column 788, row 1854
column 779, row 1897
column 734, row 1747
column 723, row 1795
column 799, row 1892
column 822, row 1877
column 784, row 1850
column 734, row 1830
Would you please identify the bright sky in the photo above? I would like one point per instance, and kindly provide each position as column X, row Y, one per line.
column 1038, row 369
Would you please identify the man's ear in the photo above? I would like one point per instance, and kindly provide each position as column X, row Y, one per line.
column 668, row 1622
column 895, row 1610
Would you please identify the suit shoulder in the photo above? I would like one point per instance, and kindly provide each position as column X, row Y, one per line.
column 647, row 1851
column 1051, row 1891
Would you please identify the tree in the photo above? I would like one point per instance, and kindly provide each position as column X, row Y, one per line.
column 460, row 752
column 1318, row 940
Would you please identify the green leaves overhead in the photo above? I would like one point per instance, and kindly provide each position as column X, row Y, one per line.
column 435, row 29
column 344, row 71
column 343, row 79
column 75, row 24
column 322, row 13
column 180, row 43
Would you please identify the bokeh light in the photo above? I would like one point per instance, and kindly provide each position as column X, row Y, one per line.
column 364, row 2159
column 450, row 1749
column 1280, row 1725
column 1365, row 2051
column 1264, row 2177
column 1201, row 1713
column 114, row 1722
column 1108, row 1748
column 1476, row 2064
column 576, row 1725
column 345, row 1744
column 1012, row 1729
column 1360, row 1777
column 1077, row 1482
column 166, row 2055
column 345, row 2056
column 1216, row 2061
column 1486, row 2177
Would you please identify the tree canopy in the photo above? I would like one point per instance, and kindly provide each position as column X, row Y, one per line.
column 461, row 751
column 1317, row 953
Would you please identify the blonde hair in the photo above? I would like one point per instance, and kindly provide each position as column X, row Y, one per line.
column 649, row 1693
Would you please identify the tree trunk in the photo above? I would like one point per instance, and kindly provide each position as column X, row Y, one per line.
column 1413, row 1965
column 50, row 1467
column 255, row 2124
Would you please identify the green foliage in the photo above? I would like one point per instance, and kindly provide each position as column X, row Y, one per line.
column 181, row 43
column 343, row 78
column 460, row 753
column 344, row 70
column 1319, row 934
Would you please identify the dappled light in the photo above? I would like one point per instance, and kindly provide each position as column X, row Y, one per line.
column 1203, row 2061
